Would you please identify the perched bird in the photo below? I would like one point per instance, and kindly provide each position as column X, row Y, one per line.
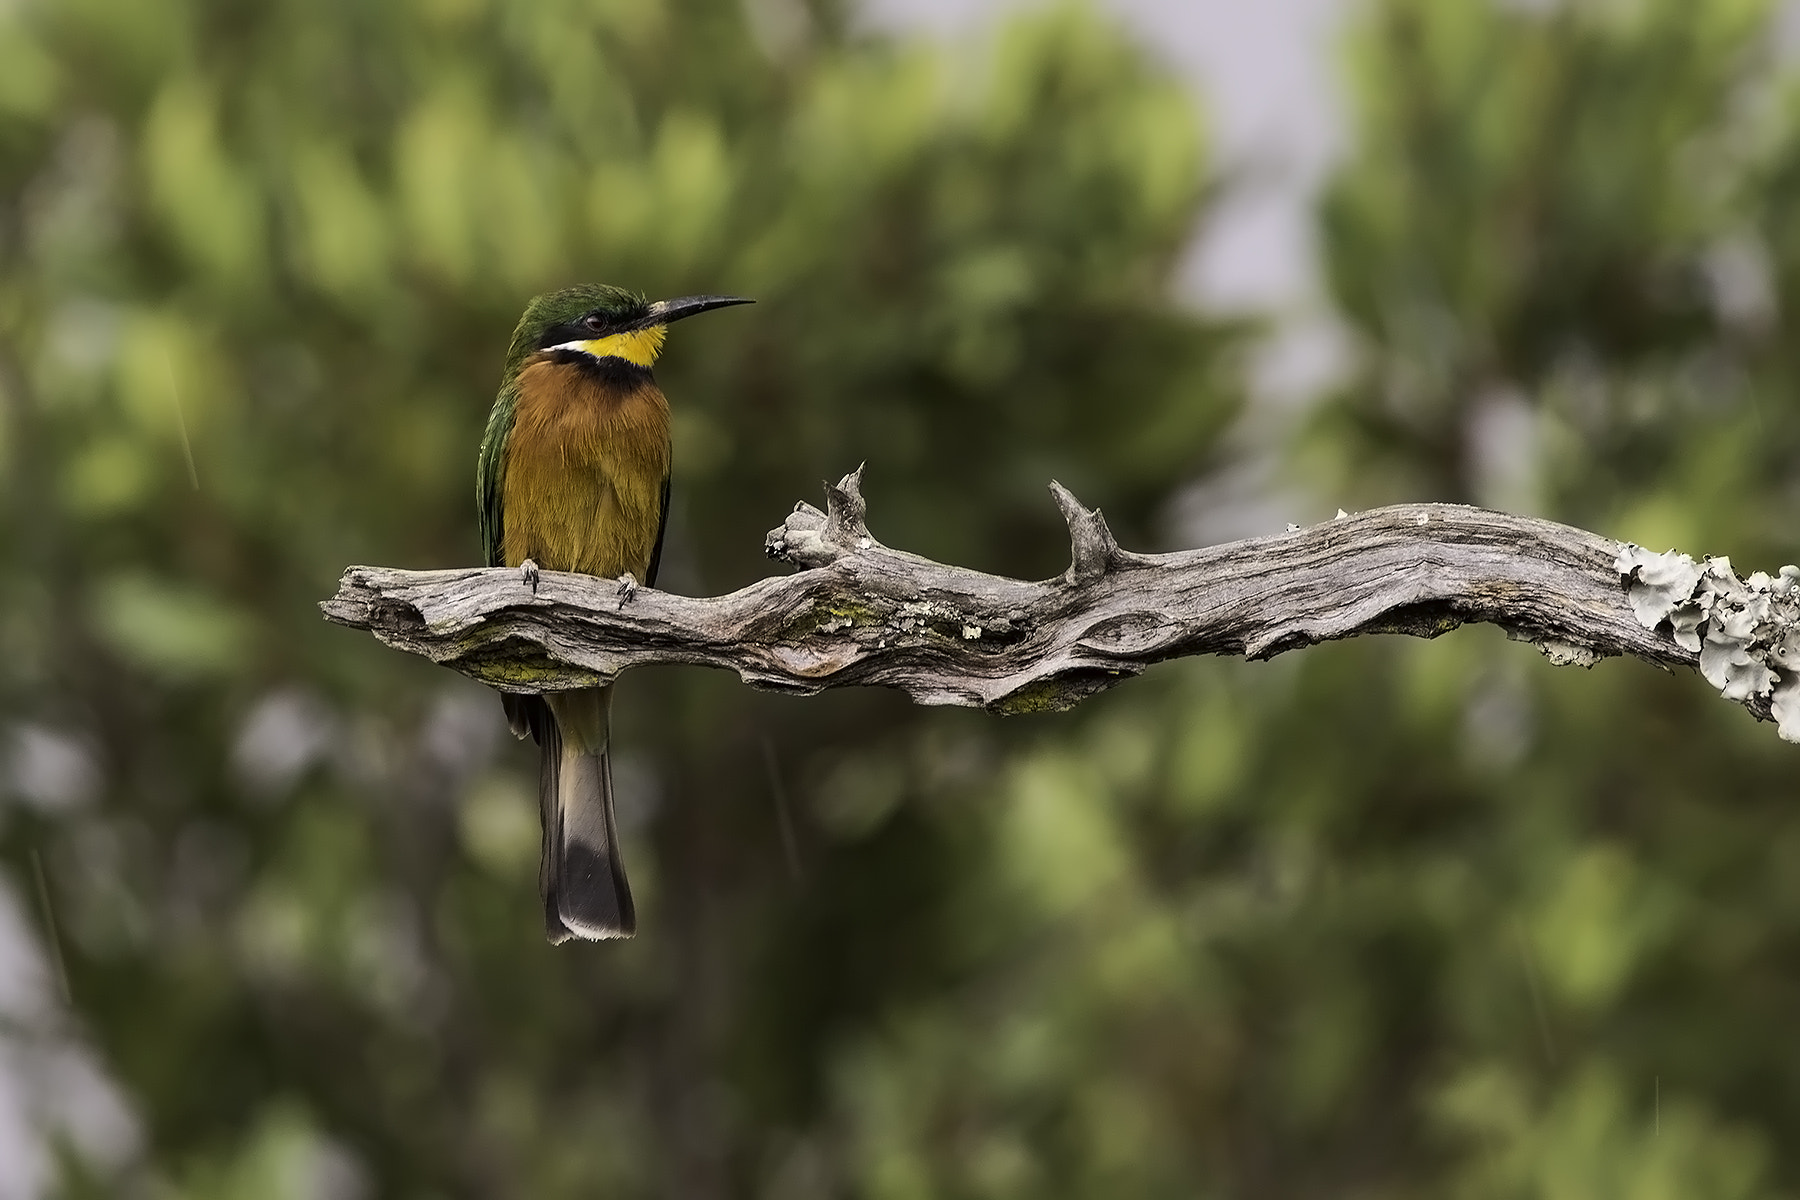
column 573, row 475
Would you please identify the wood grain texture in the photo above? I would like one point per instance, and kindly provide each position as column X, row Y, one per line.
column 860, row 613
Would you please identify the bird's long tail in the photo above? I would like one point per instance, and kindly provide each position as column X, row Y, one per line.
column 581, row 876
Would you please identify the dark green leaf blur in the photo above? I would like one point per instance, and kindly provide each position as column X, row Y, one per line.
column 1387, row 918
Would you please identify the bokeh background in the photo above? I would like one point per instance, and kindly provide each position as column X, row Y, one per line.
column 1383, row 919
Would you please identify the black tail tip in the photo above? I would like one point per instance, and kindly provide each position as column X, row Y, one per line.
column 591, row 900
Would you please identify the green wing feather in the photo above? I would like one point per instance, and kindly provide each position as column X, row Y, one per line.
column 490, row 466
column 662, row 527
column 526, row 715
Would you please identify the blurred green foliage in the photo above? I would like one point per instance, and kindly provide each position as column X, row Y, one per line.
column 1388, row 918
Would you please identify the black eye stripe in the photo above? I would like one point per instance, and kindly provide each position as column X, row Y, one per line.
column 587, row 326
column 577, row 330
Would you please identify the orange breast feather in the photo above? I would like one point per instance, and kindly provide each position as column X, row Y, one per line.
column 585, row 464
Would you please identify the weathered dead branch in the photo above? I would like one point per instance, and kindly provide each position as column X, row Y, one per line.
column 859, row 613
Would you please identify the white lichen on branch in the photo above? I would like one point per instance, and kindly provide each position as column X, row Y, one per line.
column 1746, row 631
column 858, row 612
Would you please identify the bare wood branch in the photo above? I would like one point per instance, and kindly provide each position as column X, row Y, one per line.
column 860, row 613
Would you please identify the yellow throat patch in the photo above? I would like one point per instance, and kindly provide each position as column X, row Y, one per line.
column 639, row 347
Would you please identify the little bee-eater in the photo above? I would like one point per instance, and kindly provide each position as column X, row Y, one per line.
column 573, row 475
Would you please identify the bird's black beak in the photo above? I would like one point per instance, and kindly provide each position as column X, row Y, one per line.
column 665, row 312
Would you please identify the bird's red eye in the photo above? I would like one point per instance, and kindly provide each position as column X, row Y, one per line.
column 595, row 323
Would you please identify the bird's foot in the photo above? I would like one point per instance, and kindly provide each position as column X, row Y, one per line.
column 528, row 575
column 628, row 586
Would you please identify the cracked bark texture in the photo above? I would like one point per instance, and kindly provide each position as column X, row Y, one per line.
column 861, row 613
